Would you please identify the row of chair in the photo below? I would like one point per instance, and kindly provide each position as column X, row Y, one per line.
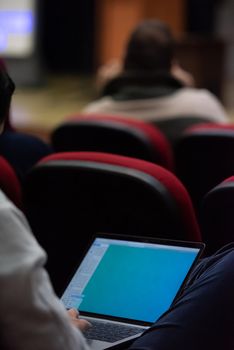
column 201, row 156
column 69, row 196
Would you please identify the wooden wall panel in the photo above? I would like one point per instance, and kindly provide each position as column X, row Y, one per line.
column 115, row 19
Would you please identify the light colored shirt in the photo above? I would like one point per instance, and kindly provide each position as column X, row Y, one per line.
column 31, row 316
column 185, row 102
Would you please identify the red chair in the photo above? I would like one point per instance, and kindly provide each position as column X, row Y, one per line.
column 113, row 134
column 204, row 158
column 9, row 183
column 70, row 196
column 217, row 216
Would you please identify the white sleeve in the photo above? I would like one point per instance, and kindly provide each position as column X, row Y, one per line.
column 32, row 317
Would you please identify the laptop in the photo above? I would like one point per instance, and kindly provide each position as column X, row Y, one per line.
column 125, row 283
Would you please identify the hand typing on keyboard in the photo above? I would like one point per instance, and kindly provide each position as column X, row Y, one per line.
column 83, row 325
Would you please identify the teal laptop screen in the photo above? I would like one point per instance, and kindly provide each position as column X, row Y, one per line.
column 128, row 279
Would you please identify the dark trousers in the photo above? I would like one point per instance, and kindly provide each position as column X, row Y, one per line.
column 202, row 317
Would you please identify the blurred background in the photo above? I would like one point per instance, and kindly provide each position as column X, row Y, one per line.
column 53, row 49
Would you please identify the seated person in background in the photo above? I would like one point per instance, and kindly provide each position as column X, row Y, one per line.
column 150, row 84
column 21, row 150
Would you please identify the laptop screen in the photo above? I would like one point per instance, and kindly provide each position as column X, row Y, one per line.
column 129, row 279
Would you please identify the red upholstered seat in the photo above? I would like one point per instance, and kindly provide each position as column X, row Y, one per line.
column 70, row 196
column 113, row 134
column 204, row 158
column 9, row 183
column 217, row 215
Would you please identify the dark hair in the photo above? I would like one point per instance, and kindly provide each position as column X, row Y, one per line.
column 150, row 47
column 7, row 88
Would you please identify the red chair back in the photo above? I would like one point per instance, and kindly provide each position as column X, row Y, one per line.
column 70, row 196
column 204, row 158
column 113, row 134
column 217, row 221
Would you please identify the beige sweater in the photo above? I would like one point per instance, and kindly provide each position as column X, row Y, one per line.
column 182, row 103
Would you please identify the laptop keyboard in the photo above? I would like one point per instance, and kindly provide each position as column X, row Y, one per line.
column 110, row 332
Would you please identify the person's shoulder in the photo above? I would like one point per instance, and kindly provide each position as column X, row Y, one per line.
column 204, row 97
column 198, row 92
column 204, row 102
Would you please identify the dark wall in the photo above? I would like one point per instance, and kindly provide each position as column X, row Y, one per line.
column 67, row 28
column 67, row 31
column 201, row 16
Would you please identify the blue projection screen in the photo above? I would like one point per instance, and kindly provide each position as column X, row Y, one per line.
column 17, row 28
